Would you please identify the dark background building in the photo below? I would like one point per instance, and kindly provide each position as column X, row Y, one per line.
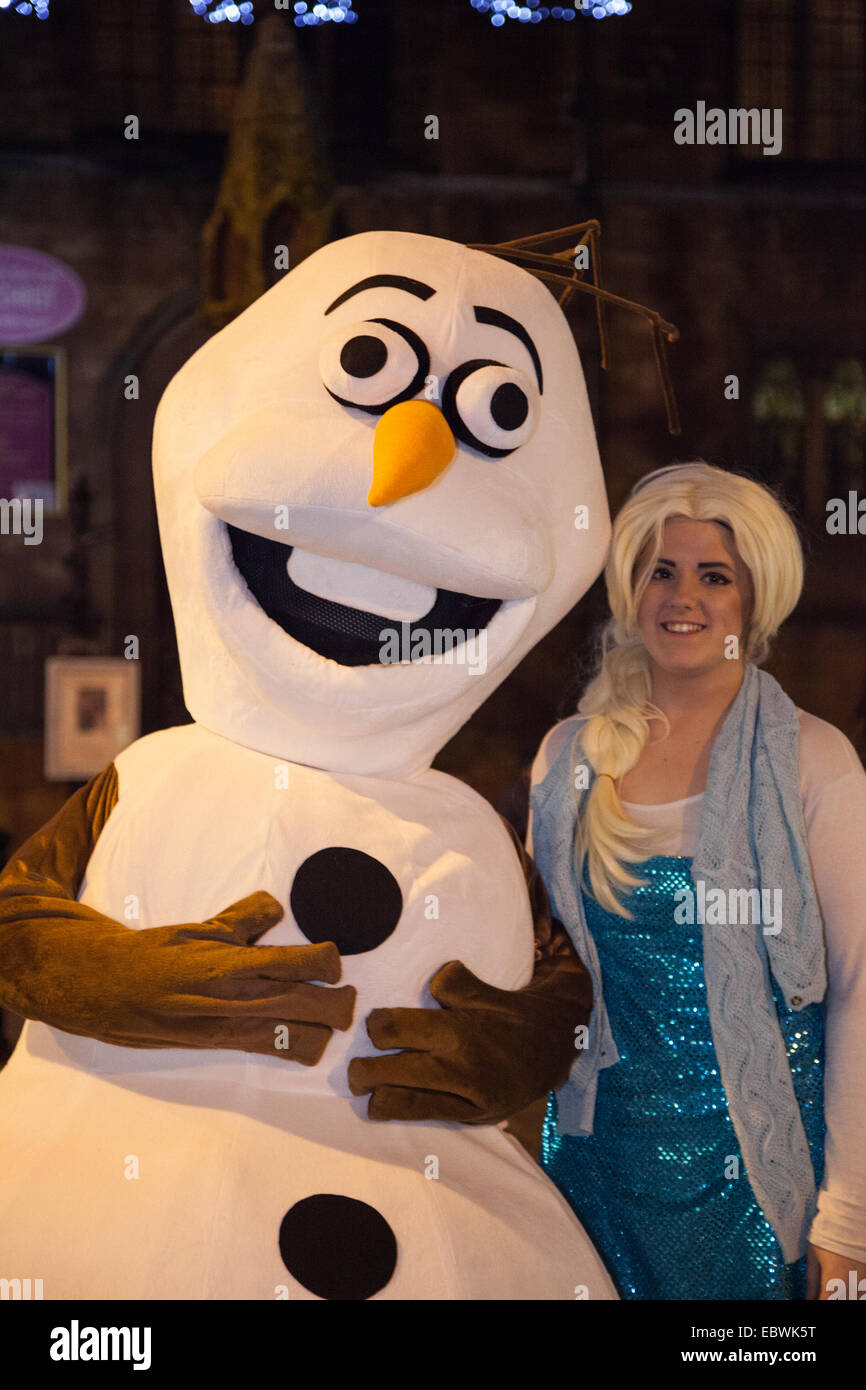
column 252, row 137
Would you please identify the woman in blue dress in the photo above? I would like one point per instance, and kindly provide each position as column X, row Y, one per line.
column 698, row 836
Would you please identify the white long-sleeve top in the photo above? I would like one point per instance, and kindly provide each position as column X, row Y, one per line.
column 833, row 788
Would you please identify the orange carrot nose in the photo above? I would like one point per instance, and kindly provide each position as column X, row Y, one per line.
column 412, row 445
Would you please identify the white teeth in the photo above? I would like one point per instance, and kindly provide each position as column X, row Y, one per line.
column 683, row 627
column 359, row 586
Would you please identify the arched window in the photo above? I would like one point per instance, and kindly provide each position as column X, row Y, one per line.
column 845, row 428
column 778, row 411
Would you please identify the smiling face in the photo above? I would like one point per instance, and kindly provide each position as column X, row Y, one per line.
column 376, row 366
column 395, row 437
column 698, row 595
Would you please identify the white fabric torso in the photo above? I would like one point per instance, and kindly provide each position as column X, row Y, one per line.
column 201, row 822
column 180, row 1166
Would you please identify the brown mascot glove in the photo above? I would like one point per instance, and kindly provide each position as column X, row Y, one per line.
column 194, row 985
column 487, row 1053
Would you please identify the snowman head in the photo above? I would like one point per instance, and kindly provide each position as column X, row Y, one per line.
column 377, row 489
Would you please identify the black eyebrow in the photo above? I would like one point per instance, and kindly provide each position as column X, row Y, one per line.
column 378, row 282
column 500, row 320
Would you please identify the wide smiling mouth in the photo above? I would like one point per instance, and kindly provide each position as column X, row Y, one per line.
column 349, row 635
column 682, row 627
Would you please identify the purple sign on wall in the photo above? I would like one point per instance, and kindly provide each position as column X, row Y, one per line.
column 26, row 435
column 40, row 297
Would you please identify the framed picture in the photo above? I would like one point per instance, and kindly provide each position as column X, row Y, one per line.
column 92, row 711
column 33, row 425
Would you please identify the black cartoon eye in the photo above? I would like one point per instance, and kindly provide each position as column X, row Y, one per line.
column 373, row 365
column 490, row 407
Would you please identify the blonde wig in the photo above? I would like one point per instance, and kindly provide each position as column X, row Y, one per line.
column 616, row 703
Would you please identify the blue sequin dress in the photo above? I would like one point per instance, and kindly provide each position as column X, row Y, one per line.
column 660, row 1185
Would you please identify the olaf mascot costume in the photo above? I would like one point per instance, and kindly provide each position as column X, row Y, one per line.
column 393, row 440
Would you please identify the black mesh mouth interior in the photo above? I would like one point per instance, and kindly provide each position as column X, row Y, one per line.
column 350, row 636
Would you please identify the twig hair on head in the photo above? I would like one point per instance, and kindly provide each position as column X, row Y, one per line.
column 556, row 267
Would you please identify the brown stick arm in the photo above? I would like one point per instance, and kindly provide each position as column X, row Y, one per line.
column 53, row 861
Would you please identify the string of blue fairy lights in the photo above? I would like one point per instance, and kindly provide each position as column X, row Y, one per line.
column 531, row 12
column 307, row 15
column 224, row 11
column 39, row 8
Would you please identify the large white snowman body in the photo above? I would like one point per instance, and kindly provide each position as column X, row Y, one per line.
column 401, row 427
